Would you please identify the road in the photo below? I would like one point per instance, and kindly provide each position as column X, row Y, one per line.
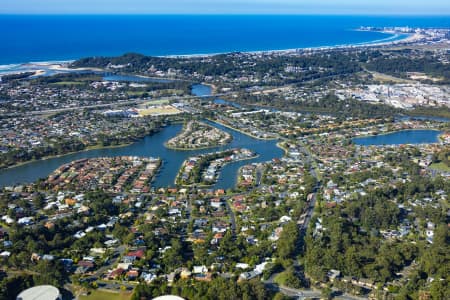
column 309, row 293
column 232, row 217
column 299, row 294
column 259, row 173
column 115, row 256
column 58, row 110
column 302, row 293
column 114, row 285
column 309, row 213
column 113, row 104
column 139, row 101
column 312, row 204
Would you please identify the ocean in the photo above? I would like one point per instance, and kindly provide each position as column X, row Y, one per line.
column 37, row 38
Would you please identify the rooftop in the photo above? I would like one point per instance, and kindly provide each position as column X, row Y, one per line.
column 40, row 292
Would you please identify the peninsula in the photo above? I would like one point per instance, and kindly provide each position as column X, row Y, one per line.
column 204, row 169
column 198, row 135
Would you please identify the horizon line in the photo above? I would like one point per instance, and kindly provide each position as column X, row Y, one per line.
column 225, row 14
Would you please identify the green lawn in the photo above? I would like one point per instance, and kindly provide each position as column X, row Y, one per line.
column 280, row 278
column 102, row 295
column 440, row 167
column 69, row 83
column 135, row 93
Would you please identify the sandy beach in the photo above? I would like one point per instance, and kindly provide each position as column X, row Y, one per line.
column 410, row 38
column 41, row 68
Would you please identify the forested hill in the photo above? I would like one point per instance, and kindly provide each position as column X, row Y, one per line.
column 128, row 60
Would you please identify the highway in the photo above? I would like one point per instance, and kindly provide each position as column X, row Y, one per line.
column 114, row 104
column 140, row 101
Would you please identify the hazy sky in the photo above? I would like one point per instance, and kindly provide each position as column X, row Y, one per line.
column 441, row 7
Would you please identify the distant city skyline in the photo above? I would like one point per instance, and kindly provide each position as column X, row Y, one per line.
column 379, row 7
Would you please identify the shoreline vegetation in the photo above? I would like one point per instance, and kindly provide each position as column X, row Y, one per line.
column 441, row 112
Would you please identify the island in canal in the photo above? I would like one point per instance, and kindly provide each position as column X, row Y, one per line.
column 204, row 169
column 198, row 135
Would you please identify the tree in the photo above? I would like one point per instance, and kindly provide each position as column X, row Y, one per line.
column 280, row 296
column 173, row 257
column 39, row 200
column 50, row 272
column 439, row 289
column 288, row 241
column 11, row 287
column 327, row 293
column 290, row 279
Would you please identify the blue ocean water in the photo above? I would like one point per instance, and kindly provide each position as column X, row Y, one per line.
column 31, row 38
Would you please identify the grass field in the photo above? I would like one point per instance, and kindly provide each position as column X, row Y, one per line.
column 281, row 278
column 159, row 110
column 440, row 167
column 102, row 295
column 388, row 78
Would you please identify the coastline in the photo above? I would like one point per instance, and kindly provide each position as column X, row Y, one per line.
column 379, row 42
column 42, row 67
column 61, row 65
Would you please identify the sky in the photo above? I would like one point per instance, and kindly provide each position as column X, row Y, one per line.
column 363, row 7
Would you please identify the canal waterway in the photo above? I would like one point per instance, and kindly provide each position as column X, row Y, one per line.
column 400, row 137
column 153, row 146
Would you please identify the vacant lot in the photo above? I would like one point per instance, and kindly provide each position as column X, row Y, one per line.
column 159, row 111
